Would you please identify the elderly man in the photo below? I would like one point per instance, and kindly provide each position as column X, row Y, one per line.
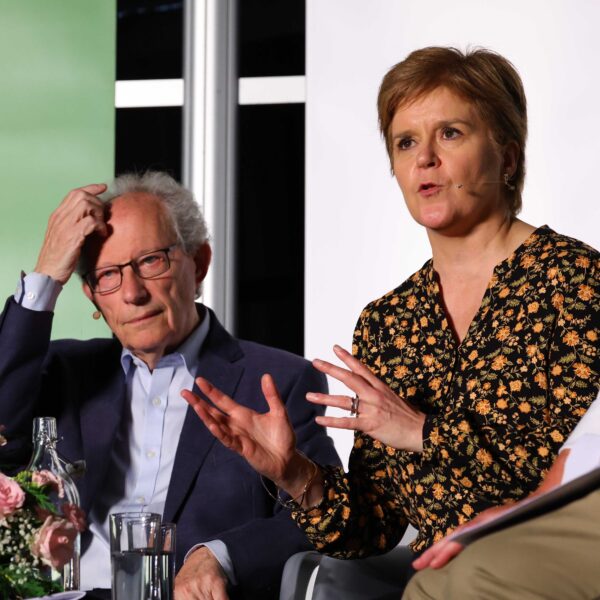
column 142, row 252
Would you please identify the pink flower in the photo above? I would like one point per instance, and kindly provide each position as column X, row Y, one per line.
column 74, row 515
column 45, row 477
column 11, row 496
column 54, row 542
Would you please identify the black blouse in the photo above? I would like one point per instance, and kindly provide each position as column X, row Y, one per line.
column 499, row 405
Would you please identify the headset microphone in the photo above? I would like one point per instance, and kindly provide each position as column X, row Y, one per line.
column 459, row 186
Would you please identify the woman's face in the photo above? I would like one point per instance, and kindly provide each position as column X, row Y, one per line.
column 447, row 164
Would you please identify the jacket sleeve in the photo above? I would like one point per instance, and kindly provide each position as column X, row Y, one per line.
column 24, row 344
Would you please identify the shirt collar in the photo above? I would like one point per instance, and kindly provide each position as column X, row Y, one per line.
column 187, row 352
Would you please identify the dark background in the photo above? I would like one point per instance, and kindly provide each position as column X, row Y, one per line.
column 270, row 38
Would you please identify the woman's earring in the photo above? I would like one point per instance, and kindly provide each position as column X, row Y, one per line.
column 507, row 182
column 96, row 315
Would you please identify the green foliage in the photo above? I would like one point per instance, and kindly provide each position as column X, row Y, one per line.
column 24, row 584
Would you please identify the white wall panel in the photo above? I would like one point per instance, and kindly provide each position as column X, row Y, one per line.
column 360, row 239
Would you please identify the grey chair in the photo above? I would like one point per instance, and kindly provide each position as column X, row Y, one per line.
column 311, row 576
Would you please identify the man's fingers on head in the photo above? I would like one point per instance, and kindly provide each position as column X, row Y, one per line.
column 86, row 192
column 90, row 224
column 93, row 188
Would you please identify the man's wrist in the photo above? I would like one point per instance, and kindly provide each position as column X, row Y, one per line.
column 218, row 550
column 37, row 291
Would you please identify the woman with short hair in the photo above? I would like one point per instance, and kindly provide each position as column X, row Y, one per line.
column 468, row 376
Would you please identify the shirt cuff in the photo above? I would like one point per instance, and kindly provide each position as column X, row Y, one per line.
column 36, row 291
column 220, row 552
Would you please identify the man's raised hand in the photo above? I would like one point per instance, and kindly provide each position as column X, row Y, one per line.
column 79, row 215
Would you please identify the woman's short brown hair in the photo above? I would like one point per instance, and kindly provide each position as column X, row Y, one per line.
column 482, row 77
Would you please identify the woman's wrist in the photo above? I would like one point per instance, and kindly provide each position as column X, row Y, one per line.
column 417, row 441
column 302, row 480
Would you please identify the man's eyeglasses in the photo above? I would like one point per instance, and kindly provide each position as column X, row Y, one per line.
column 146, row 266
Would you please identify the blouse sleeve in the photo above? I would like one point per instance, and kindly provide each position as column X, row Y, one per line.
column 361, row 512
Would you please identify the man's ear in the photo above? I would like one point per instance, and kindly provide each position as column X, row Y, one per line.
column 88, row 292
column 202, row 260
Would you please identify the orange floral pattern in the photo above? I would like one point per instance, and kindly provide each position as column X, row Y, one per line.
column 499, row 405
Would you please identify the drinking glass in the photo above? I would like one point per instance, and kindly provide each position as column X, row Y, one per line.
column 134, row 548
column 166, row 561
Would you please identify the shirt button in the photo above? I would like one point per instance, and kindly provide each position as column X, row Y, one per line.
column 156, row 401
column 30, row 296
column 150, row 454
column 141, row 499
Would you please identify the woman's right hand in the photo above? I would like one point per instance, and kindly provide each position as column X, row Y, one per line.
column 267, row 441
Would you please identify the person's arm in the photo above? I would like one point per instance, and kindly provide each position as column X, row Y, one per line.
column 262, row 545
column 26, row 321
column 267, row 442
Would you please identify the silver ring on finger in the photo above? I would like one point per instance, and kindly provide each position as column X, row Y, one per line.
column 354, row 406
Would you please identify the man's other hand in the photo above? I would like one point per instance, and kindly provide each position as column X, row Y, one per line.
column 201, row 578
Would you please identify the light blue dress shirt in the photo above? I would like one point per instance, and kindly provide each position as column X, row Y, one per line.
column 142, row 457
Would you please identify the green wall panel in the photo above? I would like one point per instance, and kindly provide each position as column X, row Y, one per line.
column 57, row 62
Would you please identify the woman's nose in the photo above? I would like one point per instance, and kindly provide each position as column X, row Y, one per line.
column 427, row 156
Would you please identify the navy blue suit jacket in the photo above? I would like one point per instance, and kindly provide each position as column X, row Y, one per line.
column 213, row 493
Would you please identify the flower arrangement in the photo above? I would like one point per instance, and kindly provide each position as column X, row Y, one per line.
column 36, row 534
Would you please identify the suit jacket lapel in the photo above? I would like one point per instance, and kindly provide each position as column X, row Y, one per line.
column 217, row 363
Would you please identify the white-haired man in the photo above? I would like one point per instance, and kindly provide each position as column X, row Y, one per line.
column 141, row 249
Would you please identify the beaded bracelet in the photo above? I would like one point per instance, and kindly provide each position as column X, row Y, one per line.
column 293, row 503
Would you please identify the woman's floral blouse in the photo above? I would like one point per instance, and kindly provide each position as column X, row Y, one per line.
column 499, row 405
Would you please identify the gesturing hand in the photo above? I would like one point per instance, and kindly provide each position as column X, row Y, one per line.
column 267, row 441
column 78, row 215
column 381, row 413
column 201, row 578
column 438, row 555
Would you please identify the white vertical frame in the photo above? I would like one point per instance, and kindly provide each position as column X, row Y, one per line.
column 210, row 101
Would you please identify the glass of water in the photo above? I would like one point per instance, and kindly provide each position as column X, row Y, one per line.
column 135, row 540
column 166, row 560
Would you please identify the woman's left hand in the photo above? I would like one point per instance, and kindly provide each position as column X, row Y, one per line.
column 381, row 413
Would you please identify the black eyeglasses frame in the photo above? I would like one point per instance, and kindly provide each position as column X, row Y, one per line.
column 88, row 277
